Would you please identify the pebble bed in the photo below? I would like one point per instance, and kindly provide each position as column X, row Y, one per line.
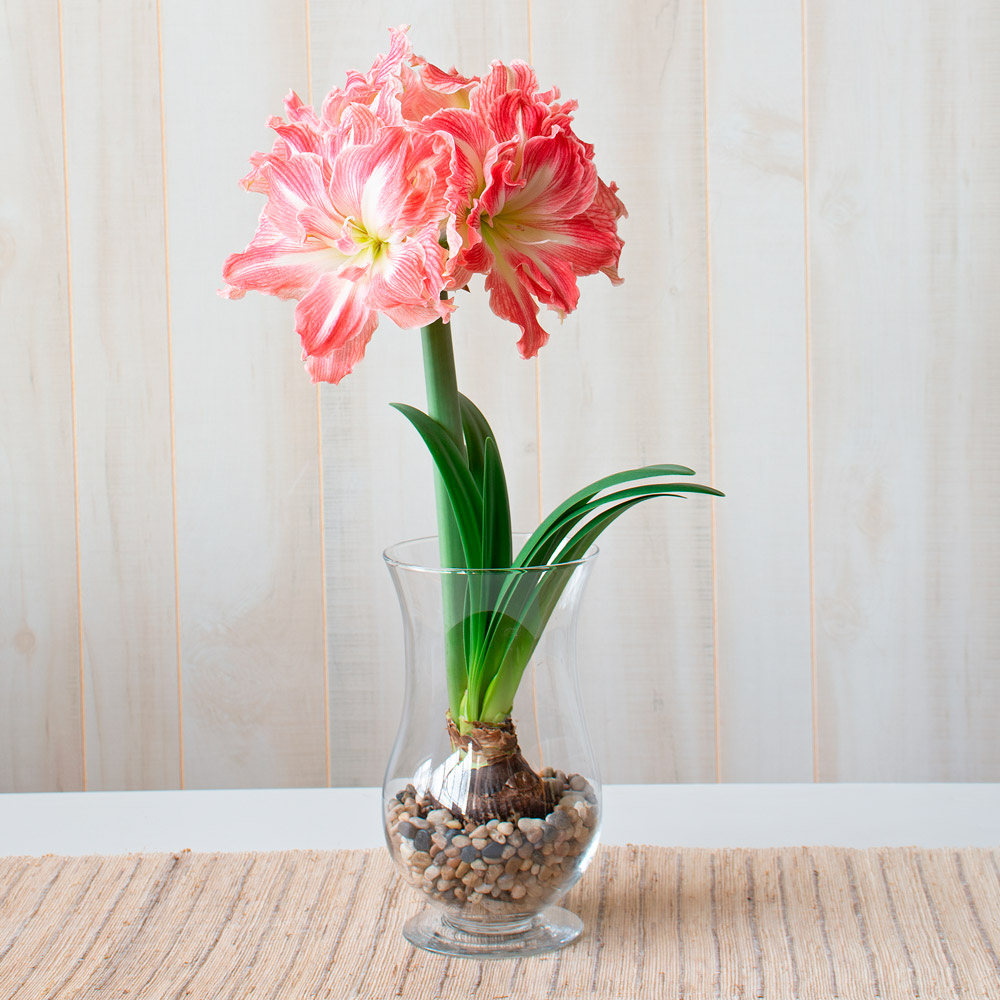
column 499, row 867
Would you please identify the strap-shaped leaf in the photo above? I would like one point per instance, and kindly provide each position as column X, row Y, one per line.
column 496, row 511
column 476, row 429
column 466, row 501
column 527, row 554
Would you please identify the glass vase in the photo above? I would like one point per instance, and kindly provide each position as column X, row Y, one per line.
column 491, row 822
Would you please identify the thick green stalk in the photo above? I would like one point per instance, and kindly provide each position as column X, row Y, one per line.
column 444, row 406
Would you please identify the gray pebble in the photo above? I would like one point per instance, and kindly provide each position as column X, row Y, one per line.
column 469, row 853
column 492, row 851
column 422, row 840
column 406, row 830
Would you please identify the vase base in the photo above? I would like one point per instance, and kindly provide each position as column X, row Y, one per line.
column 548, row 930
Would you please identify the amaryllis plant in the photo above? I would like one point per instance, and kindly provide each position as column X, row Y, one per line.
column 408, row 181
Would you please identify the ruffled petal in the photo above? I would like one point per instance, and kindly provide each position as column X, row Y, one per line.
column 334, row 325
column 277, row 265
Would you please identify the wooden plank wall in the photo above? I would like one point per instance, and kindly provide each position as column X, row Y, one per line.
column 191, row 589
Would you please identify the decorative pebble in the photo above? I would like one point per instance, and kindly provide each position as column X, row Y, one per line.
column 499, row 866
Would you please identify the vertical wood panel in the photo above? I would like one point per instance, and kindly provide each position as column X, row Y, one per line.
column 123, row 395
column 245, row 417
column 904, row 136
column 625, row 381
column 378, row 487
column 40, row 718
column 755, row 171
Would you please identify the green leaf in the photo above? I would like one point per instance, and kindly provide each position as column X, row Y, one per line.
column 496, row 511
column 527, row 554
column 466, row 501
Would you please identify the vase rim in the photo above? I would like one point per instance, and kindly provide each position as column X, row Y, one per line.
column 396, row 556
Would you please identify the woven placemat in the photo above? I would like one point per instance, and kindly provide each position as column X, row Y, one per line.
column 693, row 924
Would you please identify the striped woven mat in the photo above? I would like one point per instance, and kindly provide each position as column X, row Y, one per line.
column 660, row 923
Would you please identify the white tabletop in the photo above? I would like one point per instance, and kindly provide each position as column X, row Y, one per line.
column 846, row 815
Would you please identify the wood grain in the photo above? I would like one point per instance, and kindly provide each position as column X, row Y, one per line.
column 378, row 486
column 245, row 418
column 40, row 710
column 625, row 382
column 904, row 205
column 759, row 342
column 123, row 396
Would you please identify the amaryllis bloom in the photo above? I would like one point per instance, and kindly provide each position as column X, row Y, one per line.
column 526, row 205
column 410, row 180
column 350, row 235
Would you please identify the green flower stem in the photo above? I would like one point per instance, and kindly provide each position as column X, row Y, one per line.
column 444, row 406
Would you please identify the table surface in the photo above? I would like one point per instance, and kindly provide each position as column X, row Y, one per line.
column 724, row 815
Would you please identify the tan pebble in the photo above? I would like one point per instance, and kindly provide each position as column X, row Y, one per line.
column 479, row 832
column 479, row 843
column 453, row 862
column 454, row 824
column 497, row 837
column 505, row 881
column 513, row 865
column 508, row 852
column 492, row 874
column 578, row 783
column 535, row 834
column 547, row 849
column 420, row 859
column 492, row 824
column 484, row 888
column 495, row 892
column 460, row 841
column 525, row 851
column 536, row 868
column 525, row 864
column 516, row 838
column 459, row 894
column 479, row 865
column 517, row 892
column 443, row 885
column 463, row 867
column 432, row 871
column 505, row 828
column 404, row 815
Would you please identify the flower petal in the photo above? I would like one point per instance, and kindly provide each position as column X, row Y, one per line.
column 335, row 325
column 277, row 265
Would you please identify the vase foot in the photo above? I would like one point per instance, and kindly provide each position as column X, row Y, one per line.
column 548, row 930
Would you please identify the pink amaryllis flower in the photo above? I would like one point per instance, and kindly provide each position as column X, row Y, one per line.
column 405, row 161
column 526, row 206
column 350, row 230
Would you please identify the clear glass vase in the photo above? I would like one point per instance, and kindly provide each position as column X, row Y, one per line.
column 491, row 822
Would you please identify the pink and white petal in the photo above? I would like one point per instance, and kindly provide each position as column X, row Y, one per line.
column 334, row 324
column 277, row 265
column 510, row 300
column 296, row 184
column 559, row 180
column 410, row 273
column 339, row 362
column 410, row 317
